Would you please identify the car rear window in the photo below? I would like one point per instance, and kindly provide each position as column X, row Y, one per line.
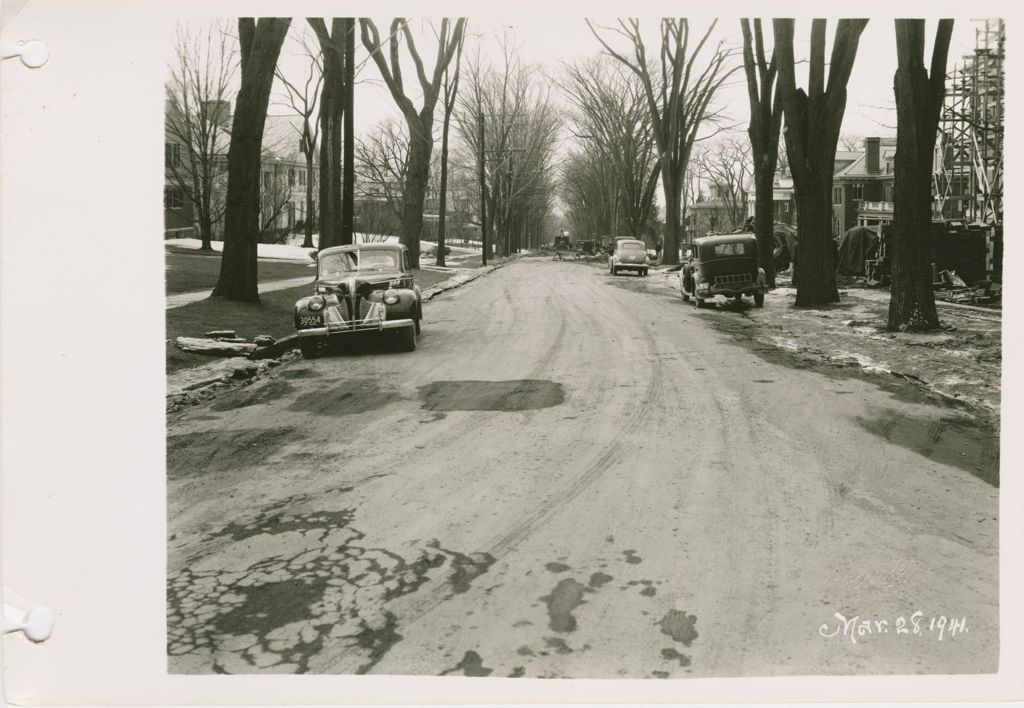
column 741, row 248
column 632, row 249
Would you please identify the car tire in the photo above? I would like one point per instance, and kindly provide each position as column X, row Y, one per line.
column 615, row 271
column 698, row 302
column 310, row 348
column 644, row 272
column 758, row 299
column 407, row 339
column 416, row 320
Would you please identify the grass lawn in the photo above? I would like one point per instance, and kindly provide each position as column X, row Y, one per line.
column 191, row 272
column 273, row 316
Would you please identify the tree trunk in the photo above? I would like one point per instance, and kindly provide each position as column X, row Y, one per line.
column 814, row 263
column 331, row 116
column 443, row 202
column 918, row 102
column 348, row 178
column 764, row 217
column 673, row 199
column 206, row 231
column 421, row 144
column 307, row 242
column 238, row 276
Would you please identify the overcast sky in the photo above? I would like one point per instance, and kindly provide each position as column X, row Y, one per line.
column 551, row 41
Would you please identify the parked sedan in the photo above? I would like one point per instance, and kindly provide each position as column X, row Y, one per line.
column 360, row 288
column 629, row 254
column 723, row 265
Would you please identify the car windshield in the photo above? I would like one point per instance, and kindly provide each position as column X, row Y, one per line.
column 737, row 248
column 345, row 262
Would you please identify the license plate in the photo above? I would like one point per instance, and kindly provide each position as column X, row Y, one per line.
column 309, row 320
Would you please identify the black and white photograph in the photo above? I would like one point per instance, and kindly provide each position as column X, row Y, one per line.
column 610, row 353
column 670, row 349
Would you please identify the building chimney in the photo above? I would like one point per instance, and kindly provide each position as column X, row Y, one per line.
column 871, row 159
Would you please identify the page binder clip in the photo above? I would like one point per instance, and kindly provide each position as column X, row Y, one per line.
column 37, row 625
column 33, row 54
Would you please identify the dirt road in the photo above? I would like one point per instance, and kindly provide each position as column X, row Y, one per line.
column 576, row 476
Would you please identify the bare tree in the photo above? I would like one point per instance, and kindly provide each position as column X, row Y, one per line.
column 612, row 115
column 260, row 47
column 727, row 167
column 420, row 121
column 851, row 142
column 303, row 98
column 276, row 196
column 813, row 120
column 520, row 129
column 765, row 124
column 198, row 119
column 919, row 98
column 382, row 156
column 679, row 97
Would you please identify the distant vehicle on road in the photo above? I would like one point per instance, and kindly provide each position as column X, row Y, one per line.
column 629, row 254
column 360, row 288
column 562, row 243
column 723, row 265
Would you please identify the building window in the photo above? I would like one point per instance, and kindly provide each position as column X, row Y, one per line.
column 291, row 176
column 174, row 198
column 837, row 195
column 302, row 178
column 857, row 191
column 172, row 154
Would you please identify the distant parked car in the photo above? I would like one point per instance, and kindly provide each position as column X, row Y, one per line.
column 723, row 265
column 629, row 254
column 360, row 288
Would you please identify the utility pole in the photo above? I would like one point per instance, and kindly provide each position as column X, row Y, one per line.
column 483, row 185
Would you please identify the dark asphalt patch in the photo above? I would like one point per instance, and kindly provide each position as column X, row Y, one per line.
column 471, row 665
column 680, row 626
column 193, row 454
column 271, row 605
column 632, row 557
column 299, row 374
column 515, row 395
column 558, row 644
column 566, row 597
column 351, row 397
column 952, row 440
column 599, row 579
column 556, row 567
column 672, row 654
column 255, row 394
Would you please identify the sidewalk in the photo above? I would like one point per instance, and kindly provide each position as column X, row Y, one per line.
column 182, row 299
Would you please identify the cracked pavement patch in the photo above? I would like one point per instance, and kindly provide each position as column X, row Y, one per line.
column 276, row 614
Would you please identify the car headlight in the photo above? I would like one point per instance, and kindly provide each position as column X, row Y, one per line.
column 391, row 297
column 315, row 303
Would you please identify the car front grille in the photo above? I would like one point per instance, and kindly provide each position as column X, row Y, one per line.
column 733, row 279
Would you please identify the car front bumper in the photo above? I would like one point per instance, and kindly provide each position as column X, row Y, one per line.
column 353, row 327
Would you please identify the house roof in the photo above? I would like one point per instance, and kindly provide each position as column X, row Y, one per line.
column 858, row 168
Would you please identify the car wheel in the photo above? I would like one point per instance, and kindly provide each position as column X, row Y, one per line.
column 407, row 339
column 615, row 271
column 310, row 348
column 698, row 302
column 416, row 320
column 758, row 299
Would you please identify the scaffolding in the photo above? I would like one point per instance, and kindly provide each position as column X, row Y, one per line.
column 968, row 171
